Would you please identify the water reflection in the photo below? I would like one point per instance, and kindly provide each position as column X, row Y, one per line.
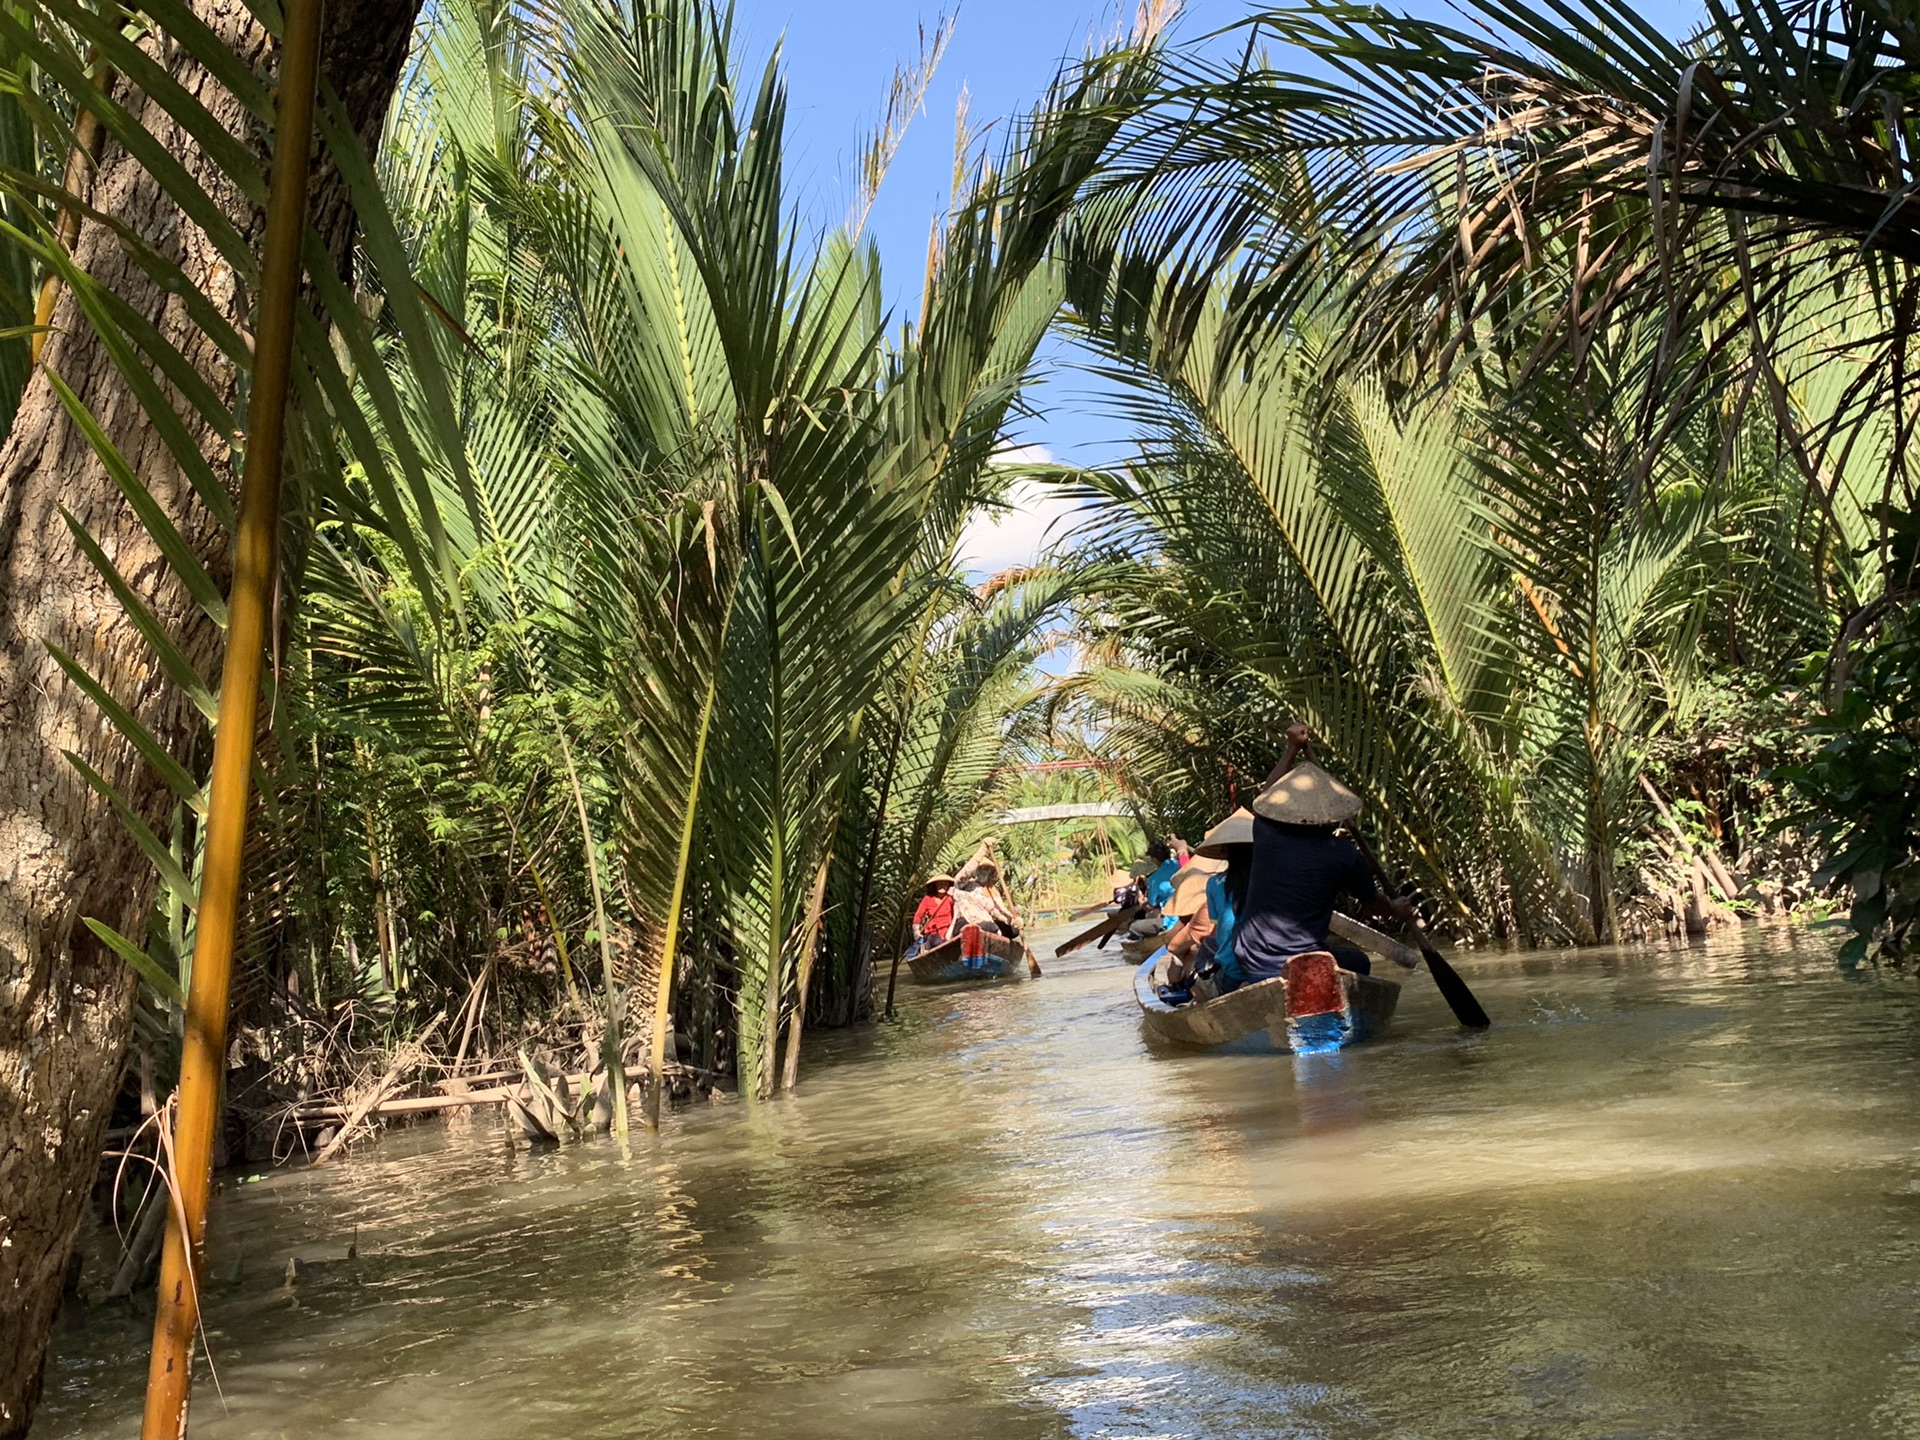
column 1670, row 1194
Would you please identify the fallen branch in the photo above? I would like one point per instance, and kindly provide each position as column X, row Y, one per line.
column 491, row 1095
column 1706, row 852
column 410, row 1055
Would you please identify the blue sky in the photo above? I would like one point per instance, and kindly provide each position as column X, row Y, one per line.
column 840, row 58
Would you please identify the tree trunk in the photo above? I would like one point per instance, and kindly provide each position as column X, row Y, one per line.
column 66, row 1001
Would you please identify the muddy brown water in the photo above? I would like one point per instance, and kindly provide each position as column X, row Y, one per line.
column 1670, row 1194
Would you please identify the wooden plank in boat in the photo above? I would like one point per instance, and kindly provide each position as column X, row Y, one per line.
column 1372, row 941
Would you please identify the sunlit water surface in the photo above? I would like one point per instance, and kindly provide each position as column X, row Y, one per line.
column 1669, row 1194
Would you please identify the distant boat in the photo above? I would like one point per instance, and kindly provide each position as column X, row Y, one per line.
column 1315, row 1006
column 996, row 958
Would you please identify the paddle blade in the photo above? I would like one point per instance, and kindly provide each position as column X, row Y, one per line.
column 1454, row 990
column 1107, row 926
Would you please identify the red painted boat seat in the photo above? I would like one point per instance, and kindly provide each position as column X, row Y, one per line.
column 1313, row 985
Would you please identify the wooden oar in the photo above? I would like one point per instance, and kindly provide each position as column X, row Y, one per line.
column 1453, row 989
column 1106, row 927
column 1006, row 899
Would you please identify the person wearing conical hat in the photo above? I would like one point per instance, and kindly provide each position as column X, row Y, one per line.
column 1301, row 867
column 933, row 916
column 1230, row 846
column 1192, row 924
column 976, row 901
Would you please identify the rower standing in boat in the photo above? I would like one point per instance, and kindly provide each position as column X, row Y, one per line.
column 1300, row 868
column 975, row 903
column 933, row 916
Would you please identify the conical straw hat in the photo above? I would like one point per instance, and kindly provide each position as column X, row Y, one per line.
column 981, row 872
column 1200, row 864
column 1236, row 829
column 1307, row 795
column 1189, row 892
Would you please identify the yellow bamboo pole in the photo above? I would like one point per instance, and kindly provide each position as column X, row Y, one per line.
column 170, row 1374
column 89, row 139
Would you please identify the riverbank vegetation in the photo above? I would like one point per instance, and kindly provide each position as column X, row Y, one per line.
column 697, row 686
column 1517, row 410
column 1527, row 414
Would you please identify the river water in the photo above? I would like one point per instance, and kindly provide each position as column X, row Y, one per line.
column 1670, row 1193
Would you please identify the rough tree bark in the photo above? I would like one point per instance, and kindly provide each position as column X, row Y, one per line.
column 66, row 1001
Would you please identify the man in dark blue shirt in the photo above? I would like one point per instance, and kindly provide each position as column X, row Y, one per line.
column 1301, row 868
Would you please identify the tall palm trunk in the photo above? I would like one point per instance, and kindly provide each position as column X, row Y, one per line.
column 65, row 1000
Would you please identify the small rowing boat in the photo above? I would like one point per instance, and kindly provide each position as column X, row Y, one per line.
column 973, row 954
column 1315, row 1006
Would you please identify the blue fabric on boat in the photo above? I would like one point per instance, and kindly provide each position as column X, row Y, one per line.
column 1219, row 945
column 1159, row 885
column 1299, row 871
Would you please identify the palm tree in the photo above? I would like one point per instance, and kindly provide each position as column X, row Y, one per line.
column 1480, row 610
column 117, row 481
column 714, row 493
column 1506, row 193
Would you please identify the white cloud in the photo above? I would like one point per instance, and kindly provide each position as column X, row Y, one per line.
column 1022, row 455
column 1035, row 516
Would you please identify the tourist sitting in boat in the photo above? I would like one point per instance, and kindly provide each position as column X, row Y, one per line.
column 1188, row 908
column 1156, row 888
column 1192, row 926
column 975, row 903
column 1300, row 868
column 1216, row 968
column 1159, row 882
column 933, row 916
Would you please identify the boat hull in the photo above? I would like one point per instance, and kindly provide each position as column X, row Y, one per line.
column 947, row 964
column 1355, row 1008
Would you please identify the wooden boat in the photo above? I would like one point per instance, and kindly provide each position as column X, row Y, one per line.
column 996, row 958
column 1314, row 1006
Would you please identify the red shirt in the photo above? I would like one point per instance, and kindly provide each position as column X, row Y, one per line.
column 933, row 915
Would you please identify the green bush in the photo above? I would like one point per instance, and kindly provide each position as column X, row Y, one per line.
column 1860, row 790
